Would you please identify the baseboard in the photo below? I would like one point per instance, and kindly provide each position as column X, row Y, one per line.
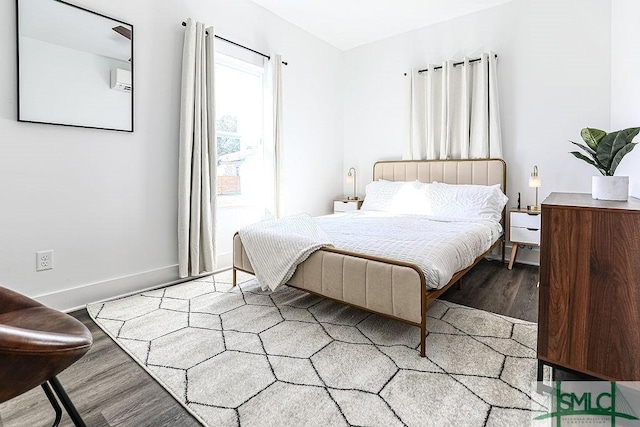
column 225, row 259
column 524, row 256
column 76, row 298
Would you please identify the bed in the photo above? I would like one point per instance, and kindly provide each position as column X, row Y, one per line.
column 393, row 288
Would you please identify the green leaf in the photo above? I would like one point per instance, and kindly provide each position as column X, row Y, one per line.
column 585, row 148
column 631, row 133
column 592, row 153
column 592, row 137
column 604, row 150
column 620, row 154
column 588, row 160
column 624, row 137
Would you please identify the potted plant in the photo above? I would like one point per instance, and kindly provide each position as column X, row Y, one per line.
column 606, row 151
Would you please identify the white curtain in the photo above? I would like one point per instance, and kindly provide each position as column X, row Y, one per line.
column 454, row 112
column 274, row 154
column 197, row 186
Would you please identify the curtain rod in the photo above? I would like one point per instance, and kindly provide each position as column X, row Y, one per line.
column 454, row 64
column 184, row 24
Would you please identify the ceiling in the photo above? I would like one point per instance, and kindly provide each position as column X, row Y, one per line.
column 63, row 25
column 348, row 23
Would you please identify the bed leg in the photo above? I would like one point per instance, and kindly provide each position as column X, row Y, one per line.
column 423, row 320
column 423, row 329
column 233, row 276
column 460, row 284
column 504, row 247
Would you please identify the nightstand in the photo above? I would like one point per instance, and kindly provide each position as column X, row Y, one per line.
column 524, row 229
column 345, row 205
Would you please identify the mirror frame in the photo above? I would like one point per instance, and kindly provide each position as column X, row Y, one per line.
column 68, row 124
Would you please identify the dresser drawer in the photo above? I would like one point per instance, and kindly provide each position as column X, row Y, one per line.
column 524, row 235
column 346, row 206
column 525, row 220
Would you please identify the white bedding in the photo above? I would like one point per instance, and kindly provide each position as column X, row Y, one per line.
column 276, row 247
column 440, row 248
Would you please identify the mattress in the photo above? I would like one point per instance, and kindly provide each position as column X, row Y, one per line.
column 439, row 247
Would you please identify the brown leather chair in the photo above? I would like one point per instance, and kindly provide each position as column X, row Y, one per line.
column 36, row 344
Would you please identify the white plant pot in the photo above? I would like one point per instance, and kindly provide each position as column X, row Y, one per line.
column 610, row 188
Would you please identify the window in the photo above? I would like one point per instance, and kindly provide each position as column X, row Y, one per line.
column 239, row 117
column 239, row 89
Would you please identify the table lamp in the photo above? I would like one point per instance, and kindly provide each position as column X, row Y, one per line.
column 351, row 177
column 534, row 181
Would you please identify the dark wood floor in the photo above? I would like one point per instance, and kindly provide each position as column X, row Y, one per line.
column 107, row 387
column 110, row 389
column 490, row 286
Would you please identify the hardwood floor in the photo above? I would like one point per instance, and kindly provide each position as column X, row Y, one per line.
column 490, row 286
column 109, row 389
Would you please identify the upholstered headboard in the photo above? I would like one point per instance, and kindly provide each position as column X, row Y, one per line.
column 471, row 171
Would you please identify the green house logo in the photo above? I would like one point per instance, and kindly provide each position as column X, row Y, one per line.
column 568, row 405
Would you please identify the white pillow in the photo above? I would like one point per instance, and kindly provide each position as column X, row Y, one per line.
column 399, row 197
column 466, row 202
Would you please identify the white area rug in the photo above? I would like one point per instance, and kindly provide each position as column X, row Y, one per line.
column 240, row 356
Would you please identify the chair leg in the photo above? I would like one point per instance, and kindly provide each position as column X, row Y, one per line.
column 54, row 403
column 66, row 402
column 540, row 376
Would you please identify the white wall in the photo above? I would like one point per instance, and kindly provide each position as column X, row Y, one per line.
column 69, row 86
column 550, row 83
column 625, row 84
column 554, row 79
column 106, row 202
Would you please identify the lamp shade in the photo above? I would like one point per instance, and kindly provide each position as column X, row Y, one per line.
column 349, row 178
column 534, row 181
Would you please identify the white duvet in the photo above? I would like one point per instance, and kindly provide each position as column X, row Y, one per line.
column 440, row 248
column 276, row 247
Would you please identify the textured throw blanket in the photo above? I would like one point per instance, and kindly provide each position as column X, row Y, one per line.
column 276, row 247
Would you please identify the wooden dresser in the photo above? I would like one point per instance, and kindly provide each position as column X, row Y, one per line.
column 589, row 302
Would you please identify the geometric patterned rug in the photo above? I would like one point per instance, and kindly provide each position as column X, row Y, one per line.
column 241, row 356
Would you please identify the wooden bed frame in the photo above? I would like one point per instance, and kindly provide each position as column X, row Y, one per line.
column 394, row 289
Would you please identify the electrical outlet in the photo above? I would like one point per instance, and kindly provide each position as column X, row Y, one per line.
column 44, row 260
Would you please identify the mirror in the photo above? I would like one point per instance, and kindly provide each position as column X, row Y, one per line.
column 75, row 67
